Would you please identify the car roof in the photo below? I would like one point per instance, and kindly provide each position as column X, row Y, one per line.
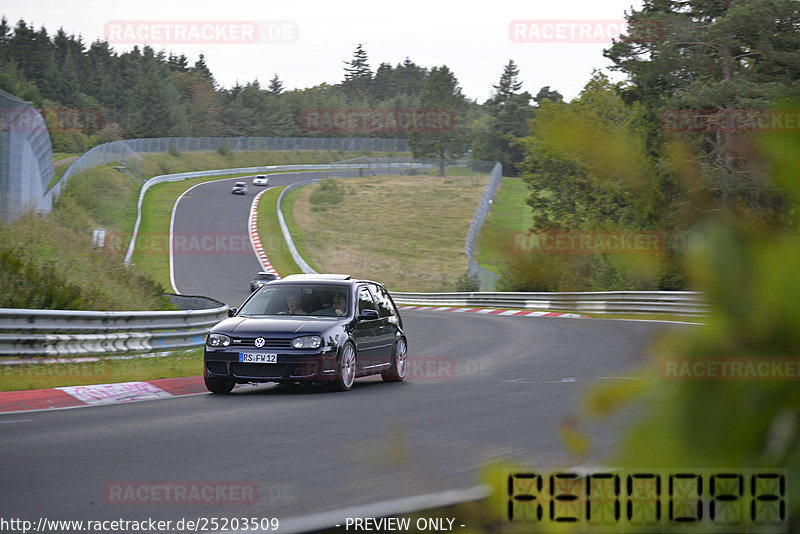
column 343, row 279
column 317, row 276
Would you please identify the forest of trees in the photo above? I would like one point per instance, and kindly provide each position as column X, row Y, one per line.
column 608, row 161
column 151, row 93
column 602, row 161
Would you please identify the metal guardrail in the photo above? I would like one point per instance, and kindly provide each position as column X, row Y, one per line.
column 287, row 236
column 635, row 302
column 26, row 332
column 487, row 280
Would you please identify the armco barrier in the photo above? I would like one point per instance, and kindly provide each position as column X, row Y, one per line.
column 634, row 302
column 70, row 333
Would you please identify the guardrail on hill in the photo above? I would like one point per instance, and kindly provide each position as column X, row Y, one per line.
column 635, row 302
column 30, row 333
column 487, row 280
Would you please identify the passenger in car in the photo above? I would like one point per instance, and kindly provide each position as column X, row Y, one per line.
column 339, row 304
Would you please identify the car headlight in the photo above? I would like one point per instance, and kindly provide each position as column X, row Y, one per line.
column 218, row 340
column 307, row 342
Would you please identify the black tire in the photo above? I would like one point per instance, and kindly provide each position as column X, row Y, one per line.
column 345, row 369
column 219, row 385
column 397, row 372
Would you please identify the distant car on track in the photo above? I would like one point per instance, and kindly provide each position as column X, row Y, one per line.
column 261, row 179
column 260, row 279
column 320, row 329
column 239, row 188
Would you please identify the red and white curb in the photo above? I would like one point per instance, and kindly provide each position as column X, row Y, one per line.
column 495, row 311
column 255, row 242
column 74, row 396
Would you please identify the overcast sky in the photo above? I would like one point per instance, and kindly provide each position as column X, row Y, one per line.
column 315, row 37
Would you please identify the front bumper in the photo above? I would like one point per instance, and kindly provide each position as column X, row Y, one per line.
column 292, row 366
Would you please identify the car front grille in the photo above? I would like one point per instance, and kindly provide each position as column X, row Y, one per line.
column 258, row 370
column 270, row 342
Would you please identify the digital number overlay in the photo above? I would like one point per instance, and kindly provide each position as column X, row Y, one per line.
column 651, row 500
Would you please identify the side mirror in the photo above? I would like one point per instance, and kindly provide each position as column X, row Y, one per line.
column 368, row 315
column 232, row 312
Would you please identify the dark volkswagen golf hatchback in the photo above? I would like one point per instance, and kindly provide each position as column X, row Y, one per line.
column 326, row 329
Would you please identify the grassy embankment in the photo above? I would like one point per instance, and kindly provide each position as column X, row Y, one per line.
column 406, row 231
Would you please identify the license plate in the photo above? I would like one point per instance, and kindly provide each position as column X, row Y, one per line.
column 256, row 357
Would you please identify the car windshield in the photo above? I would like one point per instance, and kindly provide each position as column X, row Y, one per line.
column 316, row 300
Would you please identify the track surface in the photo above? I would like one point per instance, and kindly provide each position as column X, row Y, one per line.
column 516, row 379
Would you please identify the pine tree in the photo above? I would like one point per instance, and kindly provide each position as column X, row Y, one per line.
column 441, row 93
column 357, row 75
column 409, row 78
column 201, row 68
column 275, row 85
column 546, row 93
column 509, row 112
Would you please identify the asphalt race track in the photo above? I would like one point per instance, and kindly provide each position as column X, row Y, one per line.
column 222, row 266
column 480, row 387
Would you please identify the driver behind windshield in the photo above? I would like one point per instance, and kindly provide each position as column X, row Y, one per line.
column 293, row 301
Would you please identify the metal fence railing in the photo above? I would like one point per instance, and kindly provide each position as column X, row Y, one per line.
column 197, row 144
column 30, row 333
column 486, row 279
column 635, row 302
column 126, row 153
column 26, row 159
column 115, row 152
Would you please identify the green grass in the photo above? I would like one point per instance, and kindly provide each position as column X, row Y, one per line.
column 105, row 371
column 406, row 231
column 49, row 262
column 296, row 231
column 269, row 232
column 62, row 155
column 59, row 172
column 509, row 216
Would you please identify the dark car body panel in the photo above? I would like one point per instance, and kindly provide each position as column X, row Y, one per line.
column 375, row 339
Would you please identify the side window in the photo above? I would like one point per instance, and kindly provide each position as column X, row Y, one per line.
column 384, row 303
column 365, row 301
